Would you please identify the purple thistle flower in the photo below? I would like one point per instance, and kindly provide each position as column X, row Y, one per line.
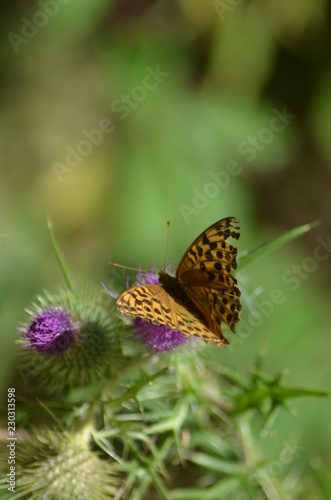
column 159, row 337
column 51, row 332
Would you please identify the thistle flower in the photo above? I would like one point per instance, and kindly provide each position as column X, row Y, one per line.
column 158, row 337
column 70, row 341
column 51, row 332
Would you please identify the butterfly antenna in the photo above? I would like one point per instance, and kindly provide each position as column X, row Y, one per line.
column 114, row 264
column 166, row 243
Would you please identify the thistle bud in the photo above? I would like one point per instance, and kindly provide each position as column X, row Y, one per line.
column 52, row 464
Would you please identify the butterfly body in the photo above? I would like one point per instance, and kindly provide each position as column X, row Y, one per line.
column 173, row 287
column 201, row 295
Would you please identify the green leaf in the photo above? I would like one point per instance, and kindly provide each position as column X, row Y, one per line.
column 219, row 490
column 219, row 465
column 249, row 257
column 170, row 424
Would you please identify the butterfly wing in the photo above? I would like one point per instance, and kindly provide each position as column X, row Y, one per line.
column 205, row 274
column 152, row 303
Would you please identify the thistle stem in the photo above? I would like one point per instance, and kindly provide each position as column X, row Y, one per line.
column 58, row 255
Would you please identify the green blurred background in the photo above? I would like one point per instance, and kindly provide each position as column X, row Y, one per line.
column 225, row 65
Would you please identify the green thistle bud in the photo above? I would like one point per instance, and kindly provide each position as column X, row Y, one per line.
column 57, row 465
column 70, row 341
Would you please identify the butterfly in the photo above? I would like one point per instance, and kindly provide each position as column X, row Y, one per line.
column 201, row 296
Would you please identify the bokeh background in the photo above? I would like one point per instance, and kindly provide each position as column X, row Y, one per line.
column 222, row 69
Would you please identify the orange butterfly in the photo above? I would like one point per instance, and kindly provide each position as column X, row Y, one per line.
column 201, row 295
